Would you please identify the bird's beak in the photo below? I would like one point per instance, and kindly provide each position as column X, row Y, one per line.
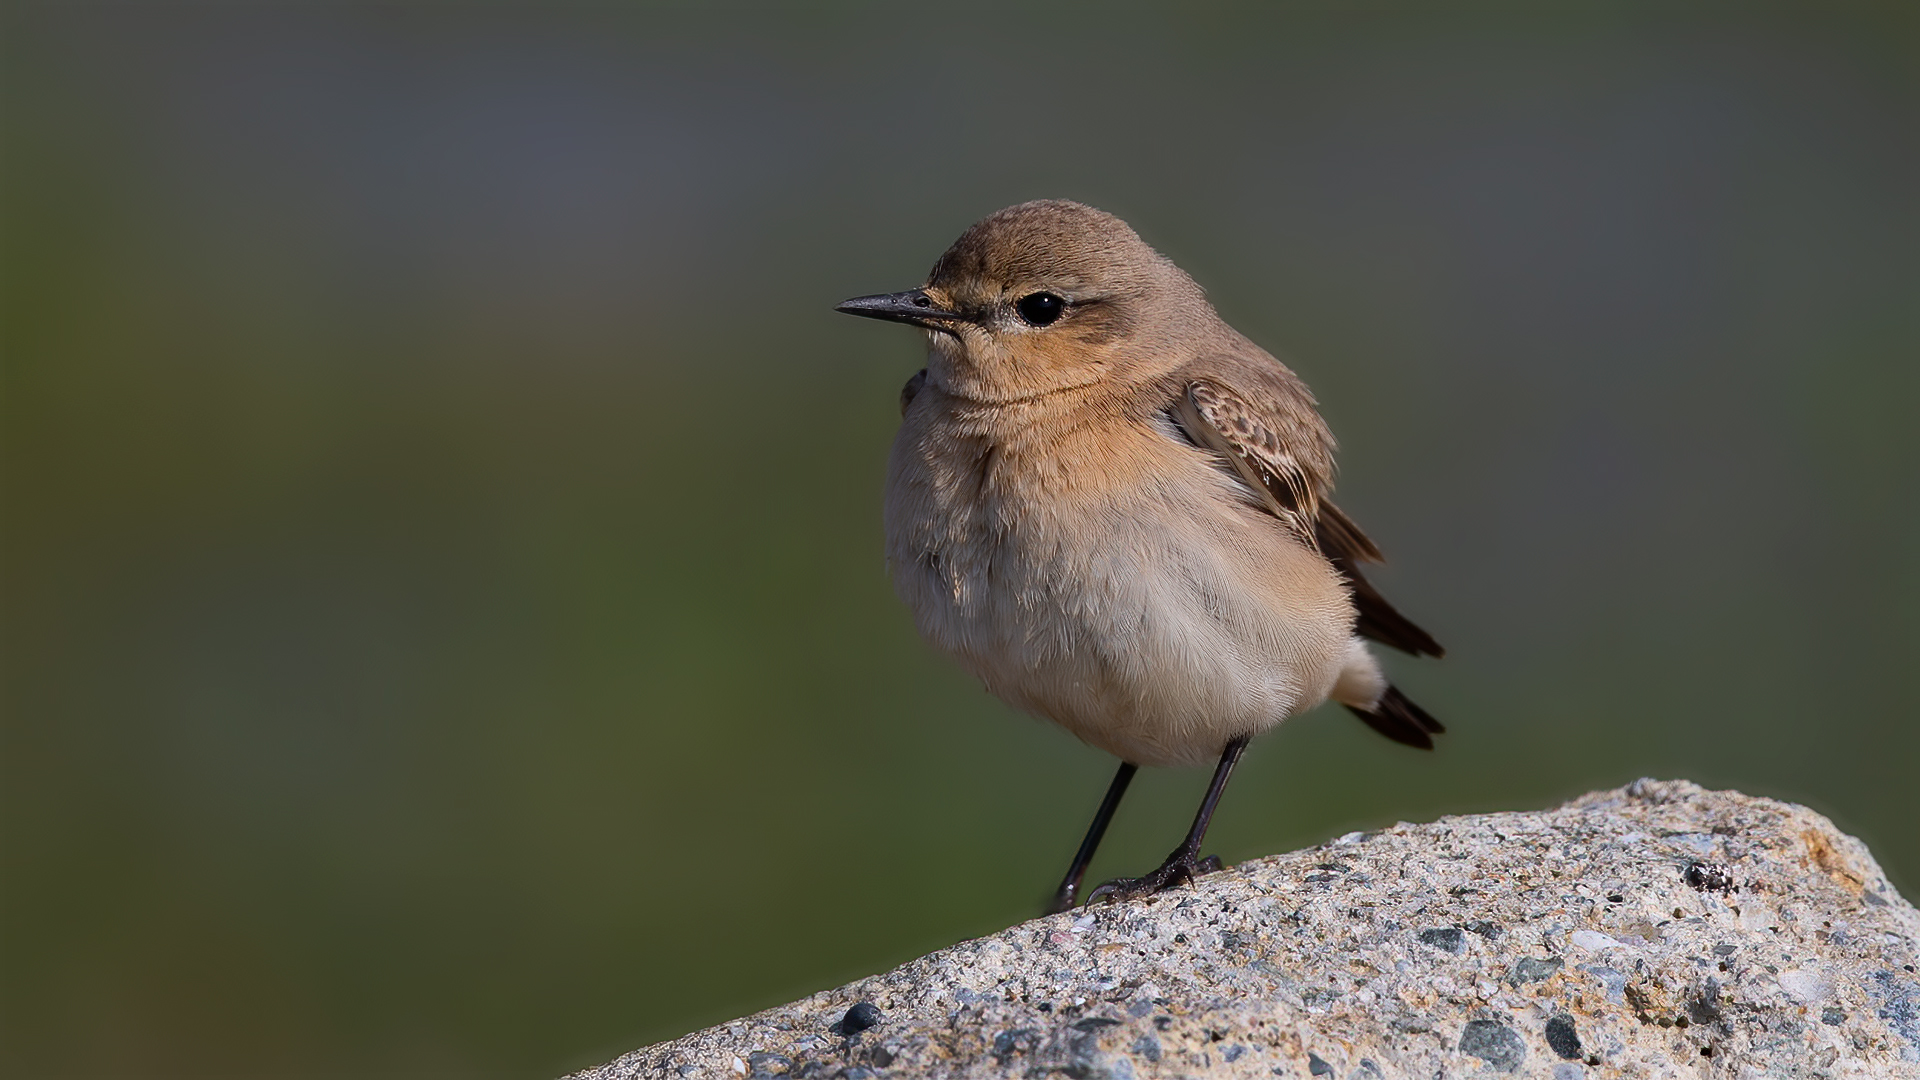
column 913, row 306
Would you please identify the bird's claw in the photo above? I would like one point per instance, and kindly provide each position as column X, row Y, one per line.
column 1181, row 867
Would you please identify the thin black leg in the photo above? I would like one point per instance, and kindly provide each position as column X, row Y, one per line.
column 1185, row 863
column 1063, row 899
column 1221, row 774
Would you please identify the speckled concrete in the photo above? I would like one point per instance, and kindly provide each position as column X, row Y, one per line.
column 1657, row 930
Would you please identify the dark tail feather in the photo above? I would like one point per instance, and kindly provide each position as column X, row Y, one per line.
column 1399, row 719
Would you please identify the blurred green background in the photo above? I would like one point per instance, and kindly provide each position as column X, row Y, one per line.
column 445, row 624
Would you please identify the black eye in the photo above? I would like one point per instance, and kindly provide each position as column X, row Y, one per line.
column 1041, row 308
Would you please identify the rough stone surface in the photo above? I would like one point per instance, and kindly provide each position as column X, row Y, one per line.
column 1657, row 930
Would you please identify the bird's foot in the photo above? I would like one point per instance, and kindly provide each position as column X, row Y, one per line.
column 1181, row 867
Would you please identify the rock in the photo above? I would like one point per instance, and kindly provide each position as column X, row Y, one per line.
column 1656, row 930
column 862, row 1016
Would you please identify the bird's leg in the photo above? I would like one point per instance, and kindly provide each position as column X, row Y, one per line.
column 1063, row 899
column 1185, row 863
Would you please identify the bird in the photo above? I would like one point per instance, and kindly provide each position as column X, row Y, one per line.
column 1115, row 511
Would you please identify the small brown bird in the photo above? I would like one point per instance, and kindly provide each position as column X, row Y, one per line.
column 1113, row 509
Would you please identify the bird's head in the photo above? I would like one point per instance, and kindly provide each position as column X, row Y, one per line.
column 1047, row 296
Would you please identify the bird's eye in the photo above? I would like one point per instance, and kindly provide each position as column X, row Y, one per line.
column 1041, row 308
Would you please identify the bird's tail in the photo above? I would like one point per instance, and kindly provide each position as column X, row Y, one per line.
column 1398, row 718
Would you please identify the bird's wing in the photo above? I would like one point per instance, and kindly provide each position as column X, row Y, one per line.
column 1266, row 429
column 1222, row 421
column 912, row 389
column 1379, row 620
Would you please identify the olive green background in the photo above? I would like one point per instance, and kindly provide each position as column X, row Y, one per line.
column 446, row 630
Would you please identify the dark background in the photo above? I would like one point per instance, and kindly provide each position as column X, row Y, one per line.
column 445, row 623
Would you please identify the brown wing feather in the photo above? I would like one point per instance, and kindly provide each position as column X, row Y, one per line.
column 912, row 389
column 1223, row 424
column 1342, row 542
column 1338, row 534
column 1382, row 622
column 1286, row 461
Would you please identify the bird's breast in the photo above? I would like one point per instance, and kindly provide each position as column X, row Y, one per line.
column 1109, row 578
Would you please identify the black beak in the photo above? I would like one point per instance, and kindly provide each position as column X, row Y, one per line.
column 913, row 306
